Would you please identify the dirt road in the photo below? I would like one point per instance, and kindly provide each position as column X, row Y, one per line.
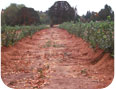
column 55, row 59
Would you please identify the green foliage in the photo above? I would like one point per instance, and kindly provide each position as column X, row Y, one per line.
column 109, row 18
column 107, row 11
column 10, row 35
column 19, row 15
column 104, row 14
column 10, row 14
column 27, row 16
column 96, row 33
column 44, row 18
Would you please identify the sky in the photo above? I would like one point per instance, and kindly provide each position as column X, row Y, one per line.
column 42, row 5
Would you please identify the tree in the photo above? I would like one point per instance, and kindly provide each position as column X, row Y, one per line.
column 27, row 16
column 107, row 11
column 44, row 18
column 94, row 16
column 2, row 17
column 88, row 15
column 61, row 12
column 19, row 15
column 9, row 15
column 103, row 14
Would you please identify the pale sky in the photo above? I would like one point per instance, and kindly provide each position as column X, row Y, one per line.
column 42, row 5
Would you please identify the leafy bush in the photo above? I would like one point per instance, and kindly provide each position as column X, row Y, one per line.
column 10, row 35
column 99, row 34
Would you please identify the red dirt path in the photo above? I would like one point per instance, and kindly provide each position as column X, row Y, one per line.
column 55, row 59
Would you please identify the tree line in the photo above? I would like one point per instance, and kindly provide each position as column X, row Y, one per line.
column 19, row 15
column 61, row 11
column 104, row 14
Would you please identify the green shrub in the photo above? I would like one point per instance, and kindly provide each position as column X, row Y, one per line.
column 96, row 33
column 10, row 35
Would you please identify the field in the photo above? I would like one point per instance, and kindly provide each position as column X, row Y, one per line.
column 51, row 58
column 57, row 46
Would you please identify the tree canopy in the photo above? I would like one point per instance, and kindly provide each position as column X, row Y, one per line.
column 107, row 11
column 44, row 18
column 10, row 14
column 60, row 12
column 27, row 16
column 102, row 15
column 19, row 15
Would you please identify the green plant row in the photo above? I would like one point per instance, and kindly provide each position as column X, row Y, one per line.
column 99, row 34
column 10, row 35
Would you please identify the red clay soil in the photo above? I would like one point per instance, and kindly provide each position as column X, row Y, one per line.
column 55, row 59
